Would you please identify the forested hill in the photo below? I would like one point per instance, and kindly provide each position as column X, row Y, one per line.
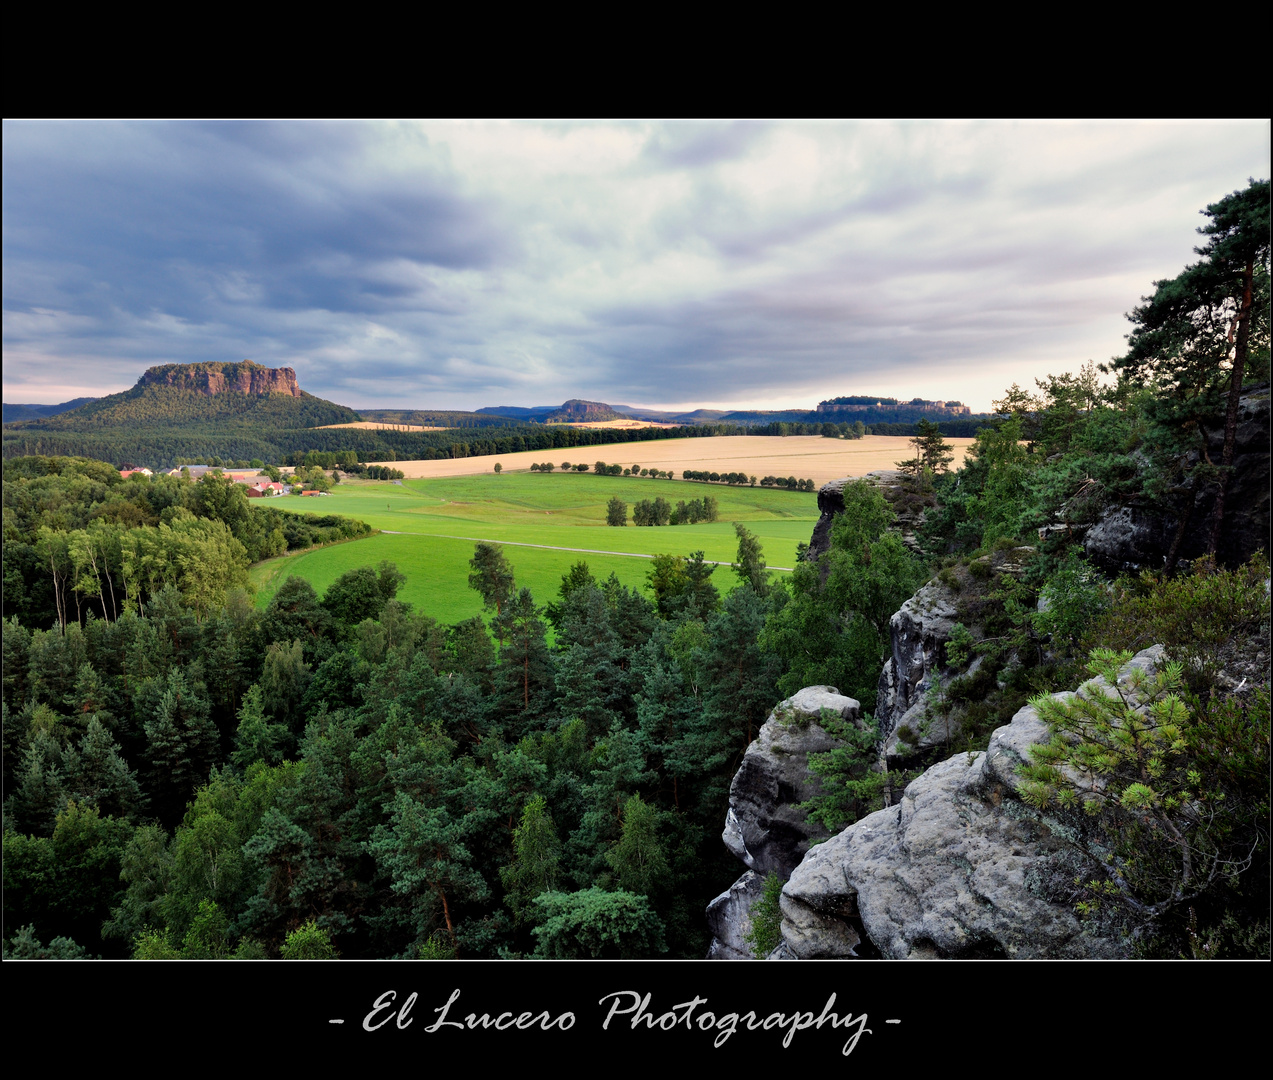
column 243, row 395
column 232, row 411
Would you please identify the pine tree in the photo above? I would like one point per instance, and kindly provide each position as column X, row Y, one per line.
column 750, row 566
column 182, row 744
column 1205, row 327
column 492, row 577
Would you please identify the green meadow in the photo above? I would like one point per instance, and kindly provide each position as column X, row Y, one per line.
column 429, row 528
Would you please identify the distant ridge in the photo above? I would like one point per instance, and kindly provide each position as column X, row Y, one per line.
column 12, row 413
column 574, row 411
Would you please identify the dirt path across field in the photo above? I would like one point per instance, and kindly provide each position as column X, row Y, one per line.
column 806, row 457
column 554, row 547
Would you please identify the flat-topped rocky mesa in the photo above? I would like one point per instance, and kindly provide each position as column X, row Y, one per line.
column 244, row 377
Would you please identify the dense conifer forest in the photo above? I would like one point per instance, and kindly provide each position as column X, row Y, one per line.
column 186, row 775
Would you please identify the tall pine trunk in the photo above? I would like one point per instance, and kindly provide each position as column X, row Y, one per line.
column 1235, row 397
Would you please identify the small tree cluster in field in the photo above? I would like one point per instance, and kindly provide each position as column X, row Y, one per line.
column 722, row 478
column 616, row 512
column 658, row 512
column 790, row 483
column 312, row 477
column 603, row 469
column 383, row 472
column 696, row 510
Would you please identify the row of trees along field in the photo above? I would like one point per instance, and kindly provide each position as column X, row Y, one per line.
column 197, row 777
column 600, row 468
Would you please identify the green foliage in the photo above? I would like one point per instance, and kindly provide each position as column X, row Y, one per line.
column 656, row 512
column 492, row 577
column 616, row 512
column 833, row 629
column 536, row 856
column 155, row 945
column 959, row 646
column 667, row 580
column 24, row 945
column 1074, row 596
column 206, row 938
column 258, row 738
column 1178, row 795
column 309, row 942
column 849, row 776
column 437, row 947
column 750, row 566
column 1201, row 617
column 598, row 925
column 932, row 456
column 765, row 934
column 638, row 861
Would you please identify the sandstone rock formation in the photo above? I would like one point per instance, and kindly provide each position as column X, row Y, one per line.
column 217, row 378
column 762, row 828
column 729, row 918
column 917, row 660
column 578, row 411
column 831, row 502
column 959, row 869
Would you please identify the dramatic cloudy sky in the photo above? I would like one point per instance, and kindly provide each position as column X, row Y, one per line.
column 457, row 265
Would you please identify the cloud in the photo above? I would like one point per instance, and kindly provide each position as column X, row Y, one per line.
column 460, row 265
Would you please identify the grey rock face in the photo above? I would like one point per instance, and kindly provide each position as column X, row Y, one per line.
column 729, row 918
column 954, row 870
column 762, row 829
column 1138, row 537
column 830, row 503
column 919, row 630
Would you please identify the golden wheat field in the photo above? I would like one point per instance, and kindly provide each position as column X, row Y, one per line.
column 377, row 426
column 806, row 457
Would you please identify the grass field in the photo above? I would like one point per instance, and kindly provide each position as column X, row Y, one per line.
column 430, row 526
